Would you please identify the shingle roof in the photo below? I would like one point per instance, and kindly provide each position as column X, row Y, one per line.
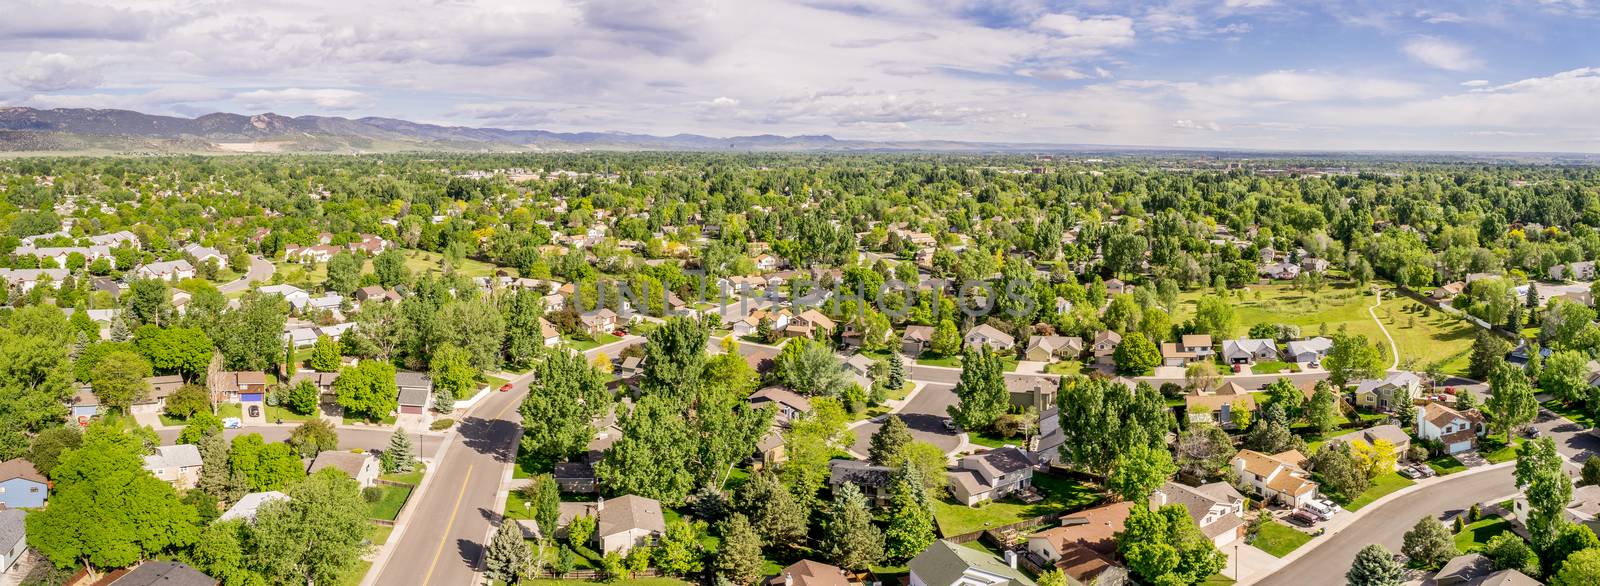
column 20, row 468
column 859, row 473
column 629, row 512
column 810, row 573
column 159, row 573
column 944, row 563
column 178, row 456
column 248, row 505
column 349, row 462
column 12, row 528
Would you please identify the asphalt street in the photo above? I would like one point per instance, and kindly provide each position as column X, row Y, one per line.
column 925, row 414
column 260, row 271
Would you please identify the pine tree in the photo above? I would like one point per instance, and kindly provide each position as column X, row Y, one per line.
column 1374, row 566
column 739, row 559
column 890, row 441
column 982, row 391
column 289, row 363
column 910, row 527
column 216, row 479
column 849, row 539
column 775, row 513
column 1428, row 543
column 119, row 330
column 399, row 457
column 507, row 555
column 897, row 371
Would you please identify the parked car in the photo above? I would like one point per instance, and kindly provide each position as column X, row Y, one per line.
column 1301, row 518
column 1532, row 432
column 232, row 423
column 255, row 410
column 1237, row 369
column 1319, row 510
column 1410, row 472
column 505, row 387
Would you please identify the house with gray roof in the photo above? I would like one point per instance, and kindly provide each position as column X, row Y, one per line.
column 416, row 391
column 159, row 573
column 245, row 509
column 362, row 467
column 873, row 480
column 991, row 475
column 1388, row 432
column 1217, row 508
column 177, row 465
column 13, row 537
column 946, row 564
column 620, row 523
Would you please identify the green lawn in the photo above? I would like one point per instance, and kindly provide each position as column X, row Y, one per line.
column 1574, row 413
column 1065, row 367
column 1423, row 340
column 275, row 413
column 227, row 410
column 171, row 421
column 1446, row 464
column 1278, row 539
column 1061, row 494
column 1477, row 534
column 989, row 441
column 1496, row 450
column 933, row 359
column 1382, row 485
column 388, row 507
column 586, row 345
column 356, row 574
column 1272, row 367
column 413, row 477
column 1217, row 580
column 380, row 534
column 385, row 420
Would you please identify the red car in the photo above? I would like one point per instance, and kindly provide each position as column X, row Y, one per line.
column 505, row 387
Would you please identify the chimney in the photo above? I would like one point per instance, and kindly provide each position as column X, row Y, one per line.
column 788, row 579
column 600, row 504
column 1011, row 559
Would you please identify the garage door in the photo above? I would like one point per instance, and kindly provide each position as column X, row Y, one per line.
column 1459, row 447
column 250, row 397
column 411, row 410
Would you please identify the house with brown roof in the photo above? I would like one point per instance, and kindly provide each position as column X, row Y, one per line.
column 1388, row 432
column 156, row 572
column 158, row 388
column 991, row 475
column 549, row 333
column 1104, row 345
column 810, row 324
column 987, row 335
column 377, row 294
column 790, row 404
column 1084, row 547
column 810, row 573
column 1051, row 348
column 1458, row 431
column 362, row 467
column 1276, row 477
column 622, row 522
column 21, row 485
column 1173, row 354
column 238, row 386
column 1217, row 408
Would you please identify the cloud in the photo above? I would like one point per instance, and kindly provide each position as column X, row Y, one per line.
column 1475, row 83
column 1186, row 124
column 326, row 98
column 1443, row 54
column 1053, row 73
column 1092, row 33
column 1310, row 86
column 1248, row 3
column 48, row 20
column 50, row 72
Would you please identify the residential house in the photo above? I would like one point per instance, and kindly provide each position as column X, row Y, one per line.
column 760, row 358
column 622, row 522
column 1104, row 345
column 599, row 322
column 1388, row 432
column 24, row 280
column 1447, row 291
column 575, row 477
column 310, row 254
column 1457, row 430
column 991, row 475
column 1217, row 508
column 13, row 537
column 1173, row 354
column 1051, row 348
column 1397, row 390
column 1474, row 569
column 766, row 262
column 987, row 335
column 629, row 369
column 1199, row 344
column 363, row 467
column 1314, row 265
column 376, row 294
column 178, row 465
column 1310, row 351
column 549, row 333
column 85, row 405
column 947, row 564
column 1276, row 477
column 1280, row 270
column 1031, row 391
column 203, row 254
column 238, row 386
column 1583, row 509
column 810, row 324
column 22, row 486
column 1084, row 546
column 916, row 340
column 790, row 405
column 415, row 391
column 245, row 509
column 1249, row 350
column 1573, row 271
column 296, row 296
column 810, row 573
column 172, row 270
column 162, row 573
column 873, row 480
column 1117, row 287
column 1217, row 409
column 159, row 387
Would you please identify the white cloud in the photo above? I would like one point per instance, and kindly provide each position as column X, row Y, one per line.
column 49, row 72
column 1092, row 33
column 1053, row 73
column 325, row 98
column 1248, row 3
column 1310, row 86
column 1186, row 124
column 1443, row 54
column 1475, row 83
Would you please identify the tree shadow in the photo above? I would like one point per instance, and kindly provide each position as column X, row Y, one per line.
column 493, row 437
column 471, row 552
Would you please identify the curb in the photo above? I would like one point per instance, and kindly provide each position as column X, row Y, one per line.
column 401, row 522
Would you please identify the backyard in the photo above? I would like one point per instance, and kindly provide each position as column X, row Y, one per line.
column 388, row 505
column 1278, row 539
column 1475, row 535
column 1060, row 494
column 1424, row 335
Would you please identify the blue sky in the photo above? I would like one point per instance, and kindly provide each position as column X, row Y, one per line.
column 1517, row 75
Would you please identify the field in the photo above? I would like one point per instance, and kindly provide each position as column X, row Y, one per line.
column 1278, row 539
column 1425, row 336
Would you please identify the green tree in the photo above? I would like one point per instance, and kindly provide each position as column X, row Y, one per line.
column 264, row 466
column 1488, row 350
column 890, row 441
column 1571, row 538
column 1164, row 547
column 652, row 456
column 566, row 395
column 680, row 552
column 325, row 355
column 1213, row 315
column 1588, row 476
column 118, row 380
column 344, row 273
column 390, row 268
column 1565, row 376
column 1099, row 419
column 185, row 351
column 1351, row 359
column 1139, row 471
column 1136, row 355
column 367, row 389
column 314, row 437
column 1375, row 566
column 910, row 528
column 247, row 337
column 1428, row 543
column 739, row 558
column 946, row 340
column 216, row 474
column 772, row 510
column 1204, row 451
column 1323, row 412
column 546, row 499
column 220, row 553
column 673, row 357
column 811, row 443
column 1546, row 486
column 302, row 397
column 189, row 400
column 810, row 368
column 897, row 372
column 317, row 535
column 849, row 539
column 1580, row 569
column 50, row 445
column 507, row 554
column 400, row 457
column 1284, row 394
column 981, row 393
column 453, row 377
column 1511, row 403
column 1510, row 552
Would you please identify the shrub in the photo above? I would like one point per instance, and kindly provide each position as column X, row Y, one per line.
column 372, row 494
column 442, row 423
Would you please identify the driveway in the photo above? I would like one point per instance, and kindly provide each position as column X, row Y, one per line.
column 260, row 271
column 1572, row 440
column 1245, row 561
column 925, row 414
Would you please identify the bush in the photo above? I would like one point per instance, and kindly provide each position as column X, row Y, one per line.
column 372, row 494
column 442, row 423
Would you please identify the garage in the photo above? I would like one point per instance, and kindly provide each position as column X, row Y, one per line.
column 250, row 397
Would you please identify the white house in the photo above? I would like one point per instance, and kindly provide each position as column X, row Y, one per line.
column 1216, row 508
column 1458, row 431
column 172, row 270
column 248, row 504
column 13, row 537
column 1576, row 271
column 177, row 465
column 1276, row 477
column 987, row 335
column 991, row 475
column 1309, row 351
column 362, row 467
column 1249, row 350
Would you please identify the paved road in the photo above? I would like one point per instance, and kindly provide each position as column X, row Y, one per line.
column 260, row 270
column 366, row 439
column 1387, row 524
column 449, row 521
column 925, row 414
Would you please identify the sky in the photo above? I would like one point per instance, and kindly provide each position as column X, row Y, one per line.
column 1506, row 75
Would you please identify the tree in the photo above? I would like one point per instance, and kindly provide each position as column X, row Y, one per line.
column 1376, row 458
column 1546, row 486
column 772, row 510
column 453, row 377
column 739, row 558
column 545, row 496
column 1204, row 450
column 1466, row 401
column 946, row 340
column 1510, row 552
column 247, row 337
column 522, row 313
column 301, row 397
column 1136, row 355
column 325, row 355
column 317, row 535
column 849, row 539
column 890, row 441
column 185, row 351
column 1590, row 474
column 118, row 380
column 49, row 445
column 188, row 401
column 1511, row 403
column 897, row 372
column 220, row 553
column 314, row 437
column 680, row 552
column 1052, row 577
column 1488, row 350
column 910, row 528
column 105, row 510
column 653, row 456
column 1139, row 471
column 981, row 393
column 1213, row 315
column 390, row 268
column 367, row 389
column 580, row 530
column 810, row 444
column 1200, row 377
column 673, row 357
column 1341, row 474
column 1571, row 538
column 1284, row 394
column 1564, row 375
column 507, row 554
column 1375, row 566
column 1581, row 569
column 557, row 414
column 263, row 466
column 1323, row 412
column 1562, row 321
column 400, row 457
column 1351, row 359
column 216, row 475
column 810, row 368
column 1100, row 419
column 344, row 273
column 1164, row 547
column 1428, row 543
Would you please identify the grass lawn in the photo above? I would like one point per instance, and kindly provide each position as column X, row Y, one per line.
column 1423, row 340
column 227, row 410
column 380, row 534
column 413, row 477
column 989, row 441
column 1278, row 539
column 1060, row 494
column 171, row 421
column 933, row 359
column 494, row 383
column 1574, row 413
column 385, row 420
column 356, row 574
column 276, row 413
column 1065, row 367
column 1217, row 580
column 1477, row 534
column 1272, row 367
column 598, row 341
column 1382, row 485
column 1446, row 464
column 1496, row 450
column 388, row 507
